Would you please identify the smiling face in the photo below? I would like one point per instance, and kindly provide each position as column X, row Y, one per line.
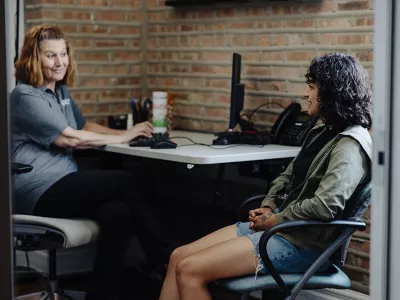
column 54, row 61
column 311, row 96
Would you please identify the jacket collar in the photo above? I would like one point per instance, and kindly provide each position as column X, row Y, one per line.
column 362, row 136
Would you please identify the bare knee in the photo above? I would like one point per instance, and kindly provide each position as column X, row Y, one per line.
column 177, row 255
column 187, row 273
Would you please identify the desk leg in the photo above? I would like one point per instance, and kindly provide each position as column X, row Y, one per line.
column 220, row 177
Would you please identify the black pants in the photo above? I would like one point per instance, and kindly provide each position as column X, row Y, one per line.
column 112, row 199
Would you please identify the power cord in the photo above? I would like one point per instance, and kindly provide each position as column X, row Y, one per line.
column 249, row 117
column 216, row 147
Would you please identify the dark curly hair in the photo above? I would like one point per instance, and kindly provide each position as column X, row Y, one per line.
column 344, row 90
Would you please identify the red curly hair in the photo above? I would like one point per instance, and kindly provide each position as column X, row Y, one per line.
column 28, row 66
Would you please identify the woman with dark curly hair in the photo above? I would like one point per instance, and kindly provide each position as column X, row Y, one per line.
column 333, row 161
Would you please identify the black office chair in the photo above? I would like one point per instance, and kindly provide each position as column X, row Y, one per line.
column 287, row 286
column 32, row 233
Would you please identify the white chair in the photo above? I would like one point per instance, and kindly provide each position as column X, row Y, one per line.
column 33, row 233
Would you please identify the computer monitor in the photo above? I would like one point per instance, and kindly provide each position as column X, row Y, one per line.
column 237, row 92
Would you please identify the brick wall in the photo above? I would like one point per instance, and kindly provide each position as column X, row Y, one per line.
column 127, row 48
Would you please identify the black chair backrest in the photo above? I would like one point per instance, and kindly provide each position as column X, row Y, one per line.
column 355, row 208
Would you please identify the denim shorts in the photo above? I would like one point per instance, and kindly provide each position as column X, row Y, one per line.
column 286, row 257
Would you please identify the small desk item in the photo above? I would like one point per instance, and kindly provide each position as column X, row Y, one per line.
column 143, row 141
column 164, row 145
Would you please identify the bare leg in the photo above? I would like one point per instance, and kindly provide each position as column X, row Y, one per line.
column 169, row 289
column 231, row 258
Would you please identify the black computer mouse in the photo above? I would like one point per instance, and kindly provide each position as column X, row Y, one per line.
column 164, row 145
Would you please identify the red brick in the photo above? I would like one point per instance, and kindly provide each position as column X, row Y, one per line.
column 76, row 15
column 295, row 72
column 365, row 55
column 127, row 3
column 219, row 56
column 127, row 81
column 68, row 28
column 178, row 68
column 271, row 56
column 202, row 69
column 248, row 56
column 101, row 56
column 255, row 11
column 263, row 40
column 103, row 108
column 351, row 39
column 88, row 108
column 365, row 21
column 325, row 6
column 134, row 16
column 257, row 70
column 300, row 23
column 113, row 69
column 353, row 5
column 156, row 15
column 296, row 87
column 85, row 69
column 223, row 70
column 300, row 55
column 121, row 108
column 125, row 30
column 218, row 83
column 242, row 25
column 337, row 22
column 192, row 82
column 94, row 29
column 84, row 96
column 125, row 55
column 113, row 94
column 276, row 86
column 200, row 97
column 110, row 16
column 223, row 98
column 81, row 43
column 93, row 2
column 269, row 24
column 94, row 81
column 215, row 26
column 216, row 112
column 226, row 12
column 110, row 43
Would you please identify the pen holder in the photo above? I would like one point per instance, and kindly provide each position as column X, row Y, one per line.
column 118, row 122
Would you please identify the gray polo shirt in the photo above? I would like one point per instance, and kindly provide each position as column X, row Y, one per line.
column 38, row 117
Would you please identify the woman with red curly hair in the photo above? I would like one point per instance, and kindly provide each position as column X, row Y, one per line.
column 46, row 126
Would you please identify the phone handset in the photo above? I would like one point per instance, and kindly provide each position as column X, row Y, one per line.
column 290, row 112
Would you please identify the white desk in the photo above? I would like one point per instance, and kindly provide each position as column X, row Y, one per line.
column 199, row 154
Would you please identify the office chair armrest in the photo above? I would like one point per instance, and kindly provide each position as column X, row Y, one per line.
column 242, row 208
column 17, row 168
column 350, row 226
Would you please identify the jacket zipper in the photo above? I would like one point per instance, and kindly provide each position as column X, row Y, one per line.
column 309, row 173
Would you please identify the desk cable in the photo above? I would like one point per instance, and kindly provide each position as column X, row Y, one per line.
column 216, row 147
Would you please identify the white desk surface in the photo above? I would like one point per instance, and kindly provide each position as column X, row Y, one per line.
column 199, row 154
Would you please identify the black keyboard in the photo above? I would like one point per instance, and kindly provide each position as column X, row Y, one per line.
column 142, row 141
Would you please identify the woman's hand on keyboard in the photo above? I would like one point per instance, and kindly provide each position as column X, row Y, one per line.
column 141, row 129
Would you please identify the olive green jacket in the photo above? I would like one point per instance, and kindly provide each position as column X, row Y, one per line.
column 331, row 179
